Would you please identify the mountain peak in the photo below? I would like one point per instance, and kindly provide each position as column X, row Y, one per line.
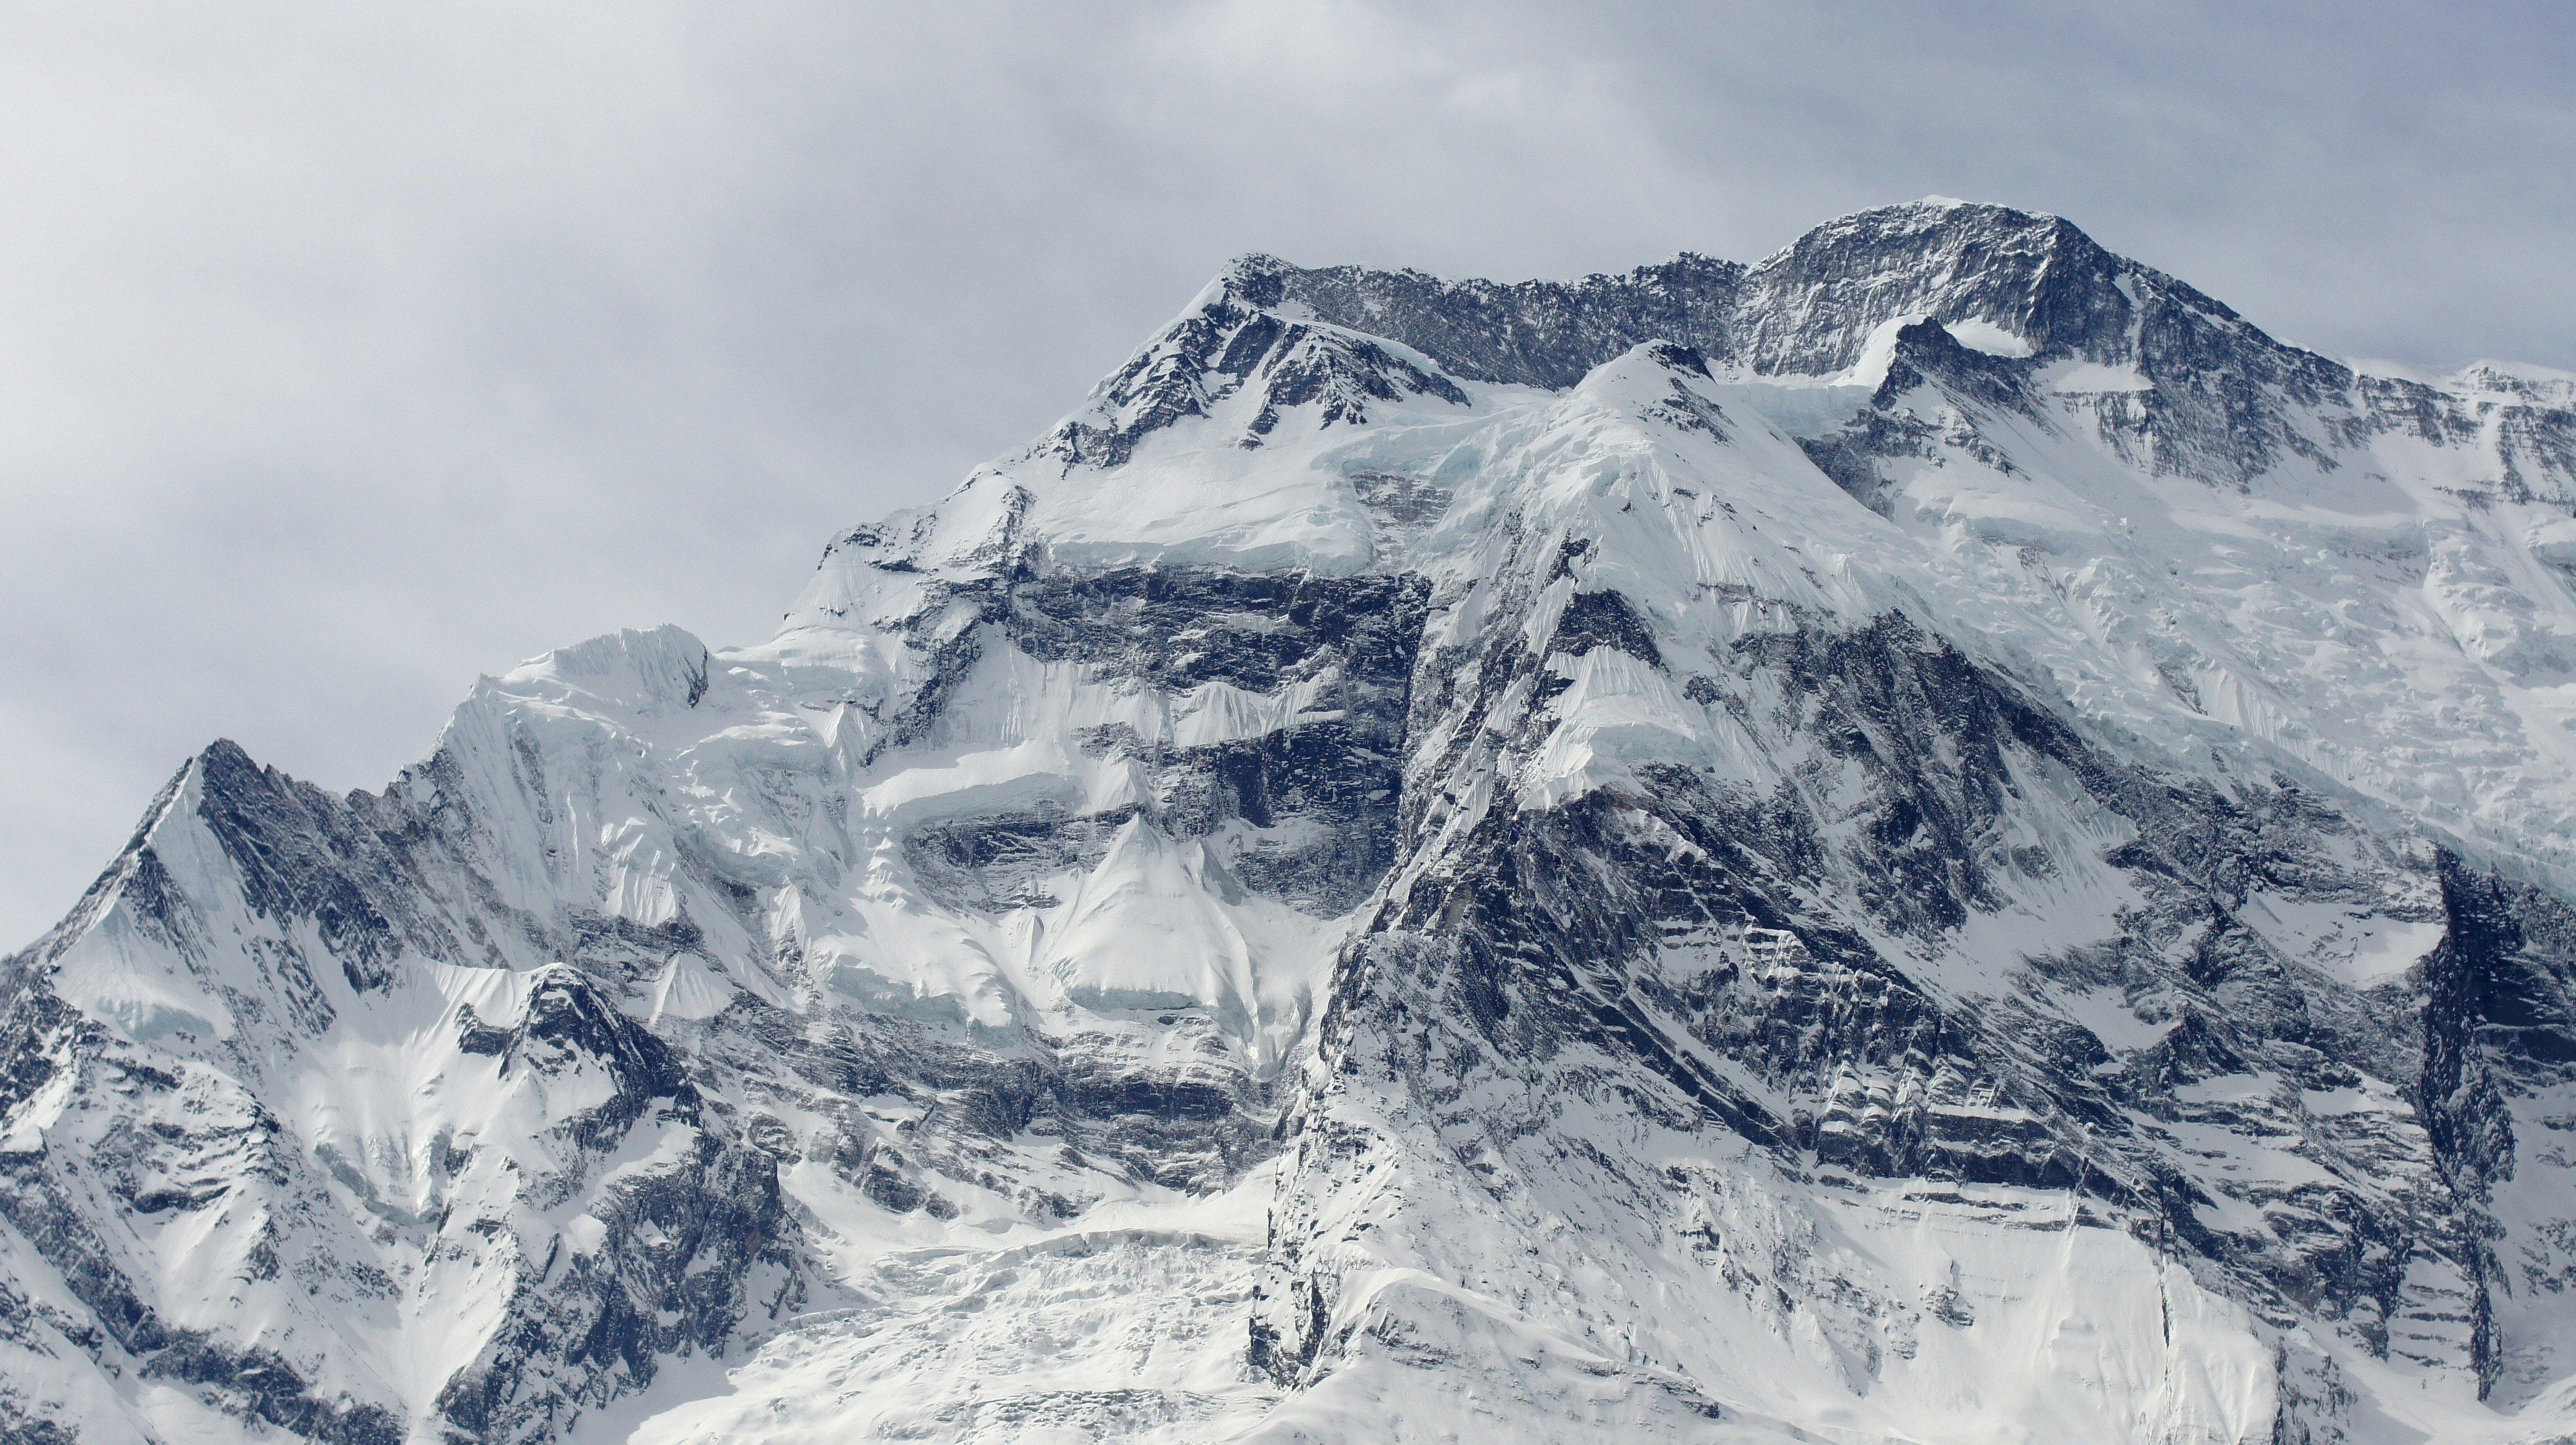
column 1811, row 304
column 1565, row 859
column 1807, row 309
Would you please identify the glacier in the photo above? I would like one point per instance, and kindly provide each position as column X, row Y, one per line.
column 1933, row 839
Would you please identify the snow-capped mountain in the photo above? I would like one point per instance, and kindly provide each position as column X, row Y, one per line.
column 1934, row 839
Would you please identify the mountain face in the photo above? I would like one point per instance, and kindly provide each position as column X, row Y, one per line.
column 1934, row 839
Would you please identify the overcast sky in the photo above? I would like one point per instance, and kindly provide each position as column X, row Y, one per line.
column 348, row 352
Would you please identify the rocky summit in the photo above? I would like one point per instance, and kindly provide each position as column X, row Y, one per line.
column 1934, row 839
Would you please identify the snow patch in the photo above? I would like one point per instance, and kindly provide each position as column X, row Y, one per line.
column 1979, row 334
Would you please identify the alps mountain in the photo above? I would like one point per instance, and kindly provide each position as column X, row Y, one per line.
column 1934, row 839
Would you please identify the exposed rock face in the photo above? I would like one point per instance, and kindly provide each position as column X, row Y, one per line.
column 1931, row 839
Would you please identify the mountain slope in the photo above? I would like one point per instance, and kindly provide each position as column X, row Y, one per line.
column 1931, row 839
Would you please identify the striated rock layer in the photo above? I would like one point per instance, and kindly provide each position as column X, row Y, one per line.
column 1934, row 839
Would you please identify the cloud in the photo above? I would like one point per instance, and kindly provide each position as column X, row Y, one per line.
column 347, row 352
